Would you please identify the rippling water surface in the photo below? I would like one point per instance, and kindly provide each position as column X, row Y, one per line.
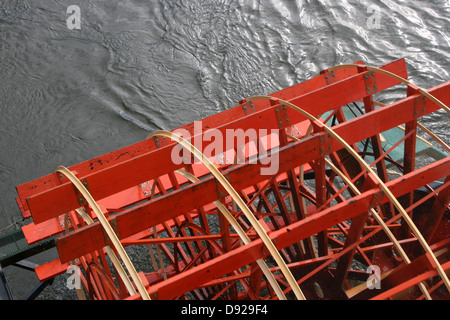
column 136, row 66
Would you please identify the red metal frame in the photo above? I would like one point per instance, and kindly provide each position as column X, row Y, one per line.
column 208, row 259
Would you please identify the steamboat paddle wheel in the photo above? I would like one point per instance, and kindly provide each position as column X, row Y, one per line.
column 323, row 193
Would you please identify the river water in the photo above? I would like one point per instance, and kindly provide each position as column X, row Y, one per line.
column 135, row 66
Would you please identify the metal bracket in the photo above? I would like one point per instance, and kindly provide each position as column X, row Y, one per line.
column 265, row 252
column 420, row 106
column 221, row 192
column 325, row 144
column 248, row 108
column 376, row 200
column 370, row 82
column 161, row 141
column 294, row 131
column 62, row 222
column 113, row 223
column 114, row 226
column 154, row 295
column 156, row 141
column 106, row 237
column 81, row 200
column 330, row 77
column 282, row 117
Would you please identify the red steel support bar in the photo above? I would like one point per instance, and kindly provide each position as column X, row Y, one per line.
column 180, row 239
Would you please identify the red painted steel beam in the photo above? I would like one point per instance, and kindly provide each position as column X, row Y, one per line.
column 399, row 112
column 180, row 239
column 284, row 237
column 102, row 183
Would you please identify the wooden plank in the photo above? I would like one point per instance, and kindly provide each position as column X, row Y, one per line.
column 51, row 269
column 33, row 232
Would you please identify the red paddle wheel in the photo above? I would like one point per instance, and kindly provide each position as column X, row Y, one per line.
column 317, row 191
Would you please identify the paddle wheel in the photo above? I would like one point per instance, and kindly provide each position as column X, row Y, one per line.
column 317, row 191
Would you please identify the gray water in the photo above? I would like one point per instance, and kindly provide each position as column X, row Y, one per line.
column 135, row 66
